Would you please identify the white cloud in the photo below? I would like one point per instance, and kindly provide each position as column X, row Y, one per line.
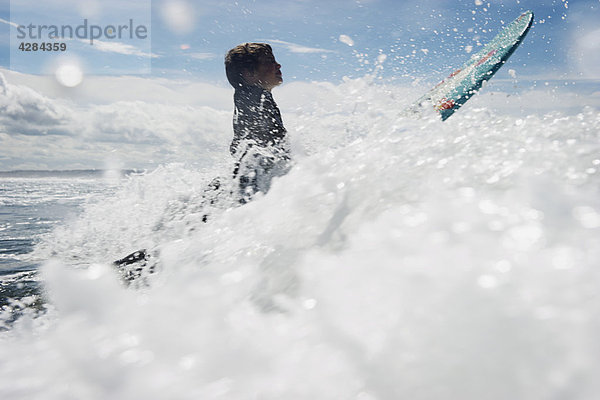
column 119, row 48
column 9, row 23
column 24, row 111
column 298, row 48
column 202, row 56
column 37, row 131
column 109, row 89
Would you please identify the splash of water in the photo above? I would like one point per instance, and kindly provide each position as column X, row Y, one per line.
column 398, row 259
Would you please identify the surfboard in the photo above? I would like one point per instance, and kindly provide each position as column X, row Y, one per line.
column 454, row 91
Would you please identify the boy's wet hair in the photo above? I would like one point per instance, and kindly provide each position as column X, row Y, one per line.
column 244, row 57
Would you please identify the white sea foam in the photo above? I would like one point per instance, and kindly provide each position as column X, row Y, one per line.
column 398, row 259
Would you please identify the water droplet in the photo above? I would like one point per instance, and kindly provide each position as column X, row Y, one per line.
column 69, row 74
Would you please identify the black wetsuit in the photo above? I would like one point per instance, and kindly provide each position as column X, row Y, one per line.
column 261, row 148
column 259, row 143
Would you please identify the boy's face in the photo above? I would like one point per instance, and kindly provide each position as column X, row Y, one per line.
column 268, row 73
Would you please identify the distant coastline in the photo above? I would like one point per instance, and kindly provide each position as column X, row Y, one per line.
column 72, row 173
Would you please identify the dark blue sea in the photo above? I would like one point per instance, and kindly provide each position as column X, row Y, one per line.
column 32, row 203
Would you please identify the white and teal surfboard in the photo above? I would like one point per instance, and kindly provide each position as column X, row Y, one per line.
column 450, row 94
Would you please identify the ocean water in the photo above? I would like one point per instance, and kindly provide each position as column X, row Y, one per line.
column 32, row 204
column 398, row 259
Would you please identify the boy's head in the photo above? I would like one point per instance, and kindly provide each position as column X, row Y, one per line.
column 254, row 64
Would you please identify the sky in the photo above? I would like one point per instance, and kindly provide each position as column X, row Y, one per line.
column 178, row 58
column 312, row 38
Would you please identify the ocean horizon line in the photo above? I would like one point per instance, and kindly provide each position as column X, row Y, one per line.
column 41, row 173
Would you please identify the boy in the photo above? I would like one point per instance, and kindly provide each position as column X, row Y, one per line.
column 260, row 144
